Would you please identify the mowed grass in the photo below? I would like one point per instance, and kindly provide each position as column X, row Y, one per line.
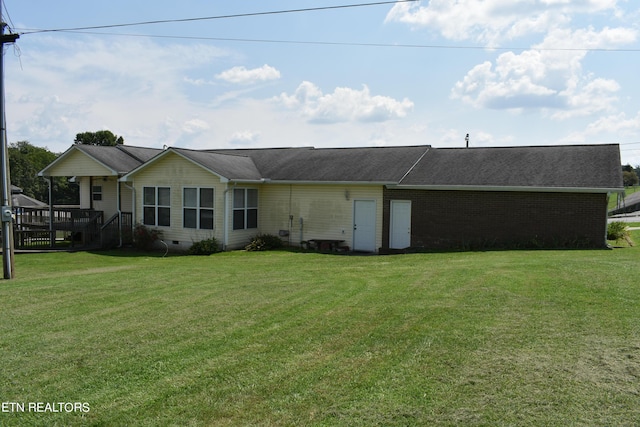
column 279, row 338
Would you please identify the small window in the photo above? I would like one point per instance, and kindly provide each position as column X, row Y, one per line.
column 245, row 208
column 198, row 208
column 96, row 192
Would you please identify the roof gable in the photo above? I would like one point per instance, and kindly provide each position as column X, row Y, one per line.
column 225, row 166
column 76, row 162
column 96, row 160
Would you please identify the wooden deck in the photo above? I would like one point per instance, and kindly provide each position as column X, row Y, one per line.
column 41, row 228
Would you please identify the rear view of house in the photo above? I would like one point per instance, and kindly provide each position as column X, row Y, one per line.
column 370, row 199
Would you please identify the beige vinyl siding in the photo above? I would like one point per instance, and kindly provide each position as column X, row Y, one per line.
column 177, row 173
column 85, row 192
column 326, row 210
column 126, row 200
column 109, row 202
column 238, row 239
column 77, row 163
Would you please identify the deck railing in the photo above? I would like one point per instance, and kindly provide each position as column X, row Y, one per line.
column 116, row 230
column 34, row 239
column 79, row 225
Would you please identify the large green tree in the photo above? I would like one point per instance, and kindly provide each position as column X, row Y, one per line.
column 101, row 137
column 25, row 161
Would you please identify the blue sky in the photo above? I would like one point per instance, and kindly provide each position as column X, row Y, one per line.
column 534, row 72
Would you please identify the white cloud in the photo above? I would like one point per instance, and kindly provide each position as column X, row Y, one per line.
column 245, row 137
column 134, row 85
column 547, row 78
column 491, row 21
column 193, row 126
column 241, row 75
column 611, row 126
column 344, row 105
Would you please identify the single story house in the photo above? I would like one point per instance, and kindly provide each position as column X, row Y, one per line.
column 373, row 199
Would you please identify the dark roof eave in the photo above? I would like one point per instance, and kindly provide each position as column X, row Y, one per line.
column 311, row 182
column 508, row 188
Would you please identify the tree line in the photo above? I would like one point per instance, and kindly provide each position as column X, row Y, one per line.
column 26, row 160
column 630, row 175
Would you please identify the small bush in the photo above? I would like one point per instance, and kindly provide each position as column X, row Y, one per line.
column 144, row 237
column 204, row 247
column 617, row 231
column 264, row 242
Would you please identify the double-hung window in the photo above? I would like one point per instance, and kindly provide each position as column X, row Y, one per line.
column 197, row 211
column 157, row 206
column 245, row 208
column 96, row 192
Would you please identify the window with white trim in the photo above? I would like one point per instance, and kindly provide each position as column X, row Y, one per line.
column 96, row 192
column 245, row 208
column 197, row 208
column 156, row 206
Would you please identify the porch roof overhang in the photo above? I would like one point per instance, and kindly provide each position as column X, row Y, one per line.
column 495, row 188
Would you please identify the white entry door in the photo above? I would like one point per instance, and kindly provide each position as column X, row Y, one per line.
column 364, row 225
column 400, row 229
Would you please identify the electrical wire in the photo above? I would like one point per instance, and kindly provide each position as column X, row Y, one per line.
column 87, row 30
column 208, row 18
column 329, row 43
column 8, row 15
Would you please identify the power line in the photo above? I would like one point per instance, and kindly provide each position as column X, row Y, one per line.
column 329, row 43
column 207, row 18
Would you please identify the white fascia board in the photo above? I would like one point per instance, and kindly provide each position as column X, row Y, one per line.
column 507, row 189
column 246, row 181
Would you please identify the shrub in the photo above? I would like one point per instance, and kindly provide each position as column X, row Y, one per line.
column 204, row 247
column 617, row 231
column 144, row 237
column 264, row 242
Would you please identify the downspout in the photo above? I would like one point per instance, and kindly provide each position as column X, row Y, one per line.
column 120, row 243
column 225, row 219
column 226, row 215
column 133, row 204
column 290, row 212
column 51, row 233
column 301, row 230
column 606, row 220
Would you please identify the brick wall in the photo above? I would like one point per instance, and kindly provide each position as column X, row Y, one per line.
column 484, row 220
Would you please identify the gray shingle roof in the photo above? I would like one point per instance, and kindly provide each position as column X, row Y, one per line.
column 568, row 166
column 575, row 166
column 230, row 166
column 361, row 164
column 121, row 159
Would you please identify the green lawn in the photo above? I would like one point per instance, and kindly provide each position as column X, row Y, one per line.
column 613, row 200
column 527, row 338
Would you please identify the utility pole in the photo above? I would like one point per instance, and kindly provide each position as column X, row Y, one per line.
column 5, row 210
